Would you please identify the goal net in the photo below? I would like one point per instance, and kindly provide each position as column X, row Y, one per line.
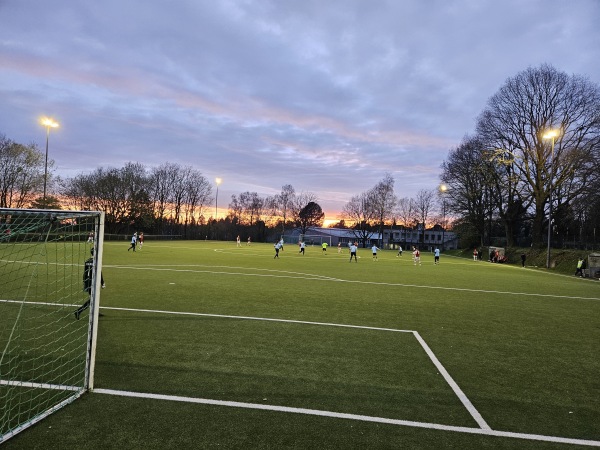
column 315, row 239
column 49, row 262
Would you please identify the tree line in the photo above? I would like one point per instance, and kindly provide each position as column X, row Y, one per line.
column 170, row 199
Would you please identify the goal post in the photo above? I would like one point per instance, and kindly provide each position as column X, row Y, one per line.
column 316, row 239
column 50, row 267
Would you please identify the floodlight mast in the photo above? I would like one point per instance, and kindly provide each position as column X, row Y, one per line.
column 443, row 191
column 218, row 182
column 550, row 134
column 48, row 123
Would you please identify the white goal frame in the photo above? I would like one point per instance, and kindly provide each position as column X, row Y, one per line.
column 316, row 239
column 56, row 269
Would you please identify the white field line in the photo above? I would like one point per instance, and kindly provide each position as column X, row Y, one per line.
column 483, row 430
column 340, row 280
column 457, row 391
column 337, row 415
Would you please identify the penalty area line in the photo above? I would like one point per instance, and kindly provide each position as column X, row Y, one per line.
column 436, row 362
column 347, row 416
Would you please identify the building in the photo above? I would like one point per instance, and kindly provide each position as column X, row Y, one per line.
column 407, row 237
column 392, row 238
column 333, row 236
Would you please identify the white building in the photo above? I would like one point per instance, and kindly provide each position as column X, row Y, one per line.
column 407, row 237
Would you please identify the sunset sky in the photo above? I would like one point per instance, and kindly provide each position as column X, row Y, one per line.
column 327, row 96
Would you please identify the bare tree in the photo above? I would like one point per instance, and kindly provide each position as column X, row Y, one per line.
column 468, row 173
column 252, row 206
column 523, row 111
column 282, row 204
column 163, row 179
column 21, row 173
column 423, row 203
column 198, row 193
column 383, row 201
column 405, row 211
column 123, row 194
column 235, row 209
column 361, row 212
column 179, row 190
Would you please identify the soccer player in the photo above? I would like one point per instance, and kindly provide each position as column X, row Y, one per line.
column 399, row 251
column 436, row 256
column 339, row 247
column 133, row 242
column 239, row 244
column 277, row 247
column 249, row 241
column 88, row 266
column 91, row 237
column 302, row 246
column 140, row 241
column 324, row 245
column 374, row 250
column 353, row 252
column 475, row 254
column 281, row 244
column 416, row 256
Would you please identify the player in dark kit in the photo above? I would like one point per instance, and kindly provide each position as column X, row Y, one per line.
column 87, row 283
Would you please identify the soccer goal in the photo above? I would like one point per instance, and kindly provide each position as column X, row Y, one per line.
column 50, row 264
column 315, row 239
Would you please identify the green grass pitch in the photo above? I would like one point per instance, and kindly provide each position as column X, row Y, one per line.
column 195, row 320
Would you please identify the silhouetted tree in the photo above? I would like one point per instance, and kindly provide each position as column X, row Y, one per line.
column 310, row 216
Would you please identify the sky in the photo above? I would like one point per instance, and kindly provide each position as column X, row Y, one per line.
column 327, row 96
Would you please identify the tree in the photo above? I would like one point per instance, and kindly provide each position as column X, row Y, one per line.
column 310, row 216
column 383, row 201
column 510, row 200
column 50, row 202
column 360, row 211
column 21, row 173
column 163, row 179
column 340, row 224
column 525, row 108
column 235, row 209
column 299, row 201
column 283, row 203
column 123, row 195
column 405, row 211
column 252, row 207
column 198, row 192
column 423, row 204
column 467, row 174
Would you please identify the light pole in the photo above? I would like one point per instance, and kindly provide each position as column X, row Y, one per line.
column 550, row 134
column 443, row 190
column 218, row 181
column 48, row 123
